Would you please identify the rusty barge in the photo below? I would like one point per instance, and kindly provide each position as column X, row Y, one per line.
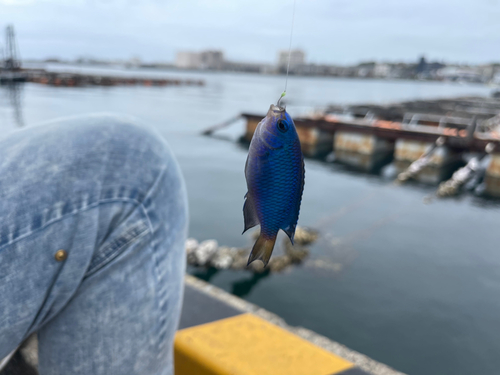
column 68, row 79
column 426, row 140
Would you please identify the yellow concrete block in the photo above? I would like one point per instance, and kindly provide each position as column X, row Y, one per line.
column 248, row 345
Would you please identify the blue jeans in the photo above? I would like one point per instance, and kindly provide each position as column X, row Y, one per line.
column 93, row 220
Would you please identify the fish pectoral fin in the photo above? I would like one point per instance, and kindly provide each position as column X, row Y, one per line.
column 249, row 213
column 262, row 250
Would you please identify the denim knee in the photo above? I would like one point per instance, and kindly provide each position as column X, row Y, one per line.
column 133, row 161
column 74, row 163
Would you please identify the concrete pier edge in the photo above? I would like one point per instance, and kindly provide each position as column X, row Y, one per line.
column 360, row 360
column 225, row 304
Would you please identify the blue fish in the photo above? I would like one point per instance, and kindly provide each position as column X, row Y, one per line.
column 275, row 179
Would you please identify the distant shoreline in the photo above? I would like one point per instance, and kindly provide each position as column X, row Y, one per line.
column 167, row 67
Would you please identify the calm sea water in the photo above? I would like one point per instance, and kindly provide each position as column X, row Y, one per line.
column 412, row 285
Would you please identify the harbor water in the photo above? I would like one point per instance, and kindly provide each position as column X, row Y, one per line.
column 412, row 285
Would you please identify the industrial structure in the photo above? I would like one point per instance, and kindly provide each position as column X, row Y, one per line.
column 10, row 63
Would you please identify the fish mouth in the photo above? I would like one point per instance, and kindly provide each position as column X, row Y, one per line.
column 276, row 109
column 275, row 112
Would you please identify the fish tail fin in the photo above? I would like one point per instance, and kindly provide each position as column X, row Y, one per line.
column 262, row 250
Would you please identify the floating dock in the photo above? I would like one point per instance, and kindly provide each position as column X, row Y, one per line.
column 368, row 136
column 66, row 79
column 12, row 76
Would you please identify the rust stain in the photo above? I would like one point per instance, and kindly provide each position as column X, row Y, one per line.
column 494, row 167
column 251, row 126
column 406, row 150
column 362, row 144
column 387, row 124
column 306, row 135
column 492, row 185
column 331, row 118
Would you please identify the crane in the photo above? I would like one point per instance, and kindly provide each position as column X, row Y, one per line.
column 12, row 61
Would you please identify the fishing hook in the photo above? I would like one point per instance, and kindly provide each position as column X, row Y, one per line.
column 279, row 100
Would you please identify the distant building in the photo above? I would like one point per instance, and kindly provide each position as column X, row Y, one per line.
column 297, row 58
column 381, row 70
column 365, row 69
column 188, row 60
column 421, row 69
column 238, row 66
column 461, row 74
column 134, row 62
column 489, row 71
column 427, row 70
column 421, row 65
column 213, row 60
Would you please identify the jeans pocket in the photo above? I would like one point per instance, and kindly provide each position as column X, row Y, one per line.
column 130, row 233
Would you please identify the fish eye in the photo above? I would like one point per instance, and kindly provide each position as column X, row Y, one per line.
column 282, row 126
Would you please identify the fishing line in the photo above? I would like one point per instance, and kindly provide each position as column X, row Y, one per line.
column 289, row 54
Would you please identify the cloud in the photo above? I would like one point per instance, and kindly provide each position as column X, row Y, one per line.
column 30, row 2
column 16, row 2
column 343, row 31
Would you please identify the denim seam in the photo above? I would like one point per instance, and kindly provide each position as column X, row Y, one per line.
column 160, row 292
column 83, row 209
column 153, row 187
column 127, row 235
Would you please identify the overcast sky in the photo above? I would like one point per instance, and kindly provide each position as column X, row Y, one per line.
column 330, row 31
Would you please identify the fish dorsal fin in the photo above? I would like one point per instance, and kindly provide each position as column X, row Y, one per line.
column 249, row 213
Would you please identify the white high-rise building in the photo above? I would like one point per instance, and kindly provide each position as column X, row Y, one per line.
column 297, row 58
column 200, row 60
column 212, row 59
column 188, row 60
